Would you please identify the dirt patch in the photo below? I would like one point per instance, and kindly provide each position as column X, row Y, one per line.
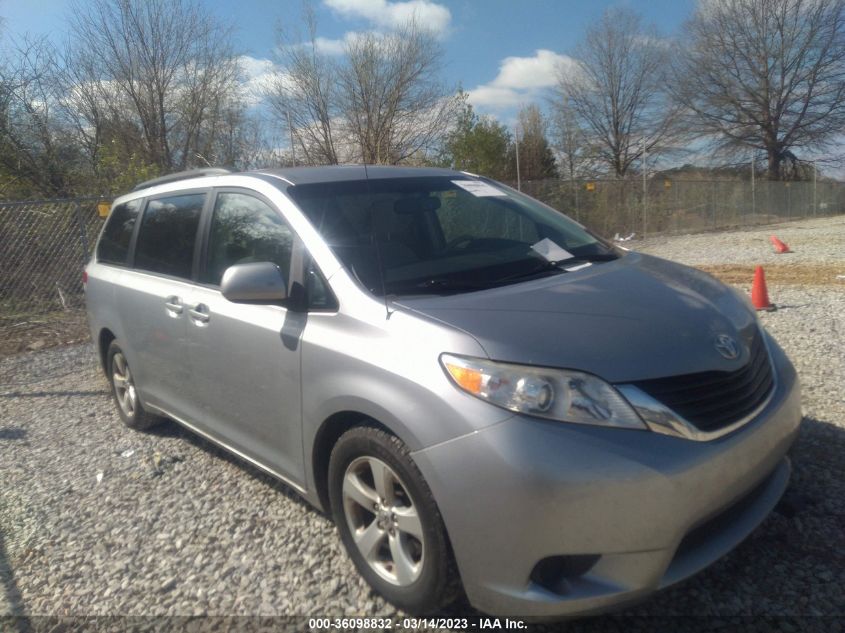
column 825, row 275
column 37, row 332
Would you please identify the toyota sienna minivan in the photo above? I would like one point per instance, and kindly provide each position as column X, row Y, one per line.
column 485, row 396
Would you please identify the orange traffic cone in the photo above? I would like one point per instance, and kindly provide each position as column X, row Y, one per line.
column 759, row 293
column 780, row 247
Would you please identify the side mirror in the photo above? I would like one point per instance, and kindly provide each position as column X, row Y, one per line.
column 258, row 282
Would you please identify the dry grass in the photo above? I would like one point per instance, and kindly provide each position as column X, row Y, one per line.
column 791, row 275
column 42, row 331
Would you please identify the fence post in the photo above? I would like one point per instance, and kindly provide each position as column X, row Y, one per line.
column 713, row 201
column 788, row 201
column 753, row 191
column 575, row 187
column 645, row 191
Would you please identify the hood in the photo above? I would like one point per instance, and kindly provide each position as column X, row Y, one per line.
column 634, row 318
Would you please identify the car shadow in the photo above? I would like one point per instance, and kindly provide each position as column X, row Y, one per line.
column 11, row 594
column 51, row 394
column 13, row 433
column 172, row 429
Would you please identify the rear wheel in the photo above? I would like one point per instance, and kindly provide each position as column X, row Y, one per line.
column 389, row 522
column 124, row 391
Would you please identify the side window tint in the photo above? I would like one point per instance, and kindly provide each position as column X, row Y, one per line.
column 114, row 242
column 168, row 233
column 245, row 229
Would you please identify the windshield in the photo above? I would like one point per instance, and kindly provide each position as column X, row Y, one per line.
column 443, row 234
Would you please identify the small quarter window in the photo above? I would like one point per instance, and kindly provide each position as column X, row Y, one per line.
column 320, row 297
column 114, row 242
column 168, row 234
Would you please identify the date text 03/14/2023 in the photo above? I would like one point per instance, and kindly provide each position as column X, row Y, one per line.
column 466, row 624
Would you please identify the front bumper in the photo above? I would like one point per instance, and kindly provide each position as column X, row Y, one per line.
column 646, row 510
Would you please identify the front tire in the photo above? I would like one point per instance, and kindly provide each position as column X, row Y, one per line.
column 389, row 522
column 124, row 392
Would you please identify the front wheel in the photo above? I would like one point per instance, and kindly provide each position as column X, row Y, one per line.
column 123, row 389
column 389, row 522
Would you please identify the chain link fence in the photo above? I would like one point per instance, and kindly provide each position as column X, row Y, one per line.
column 666, row 205
column 45, row 244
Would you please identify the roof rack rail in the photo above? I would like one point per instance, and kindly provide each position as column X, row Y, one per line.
column 182, row 175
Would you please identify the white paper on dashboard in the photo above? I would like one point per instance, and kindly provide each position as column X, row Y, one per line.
column 551, row 251
column 479, row 189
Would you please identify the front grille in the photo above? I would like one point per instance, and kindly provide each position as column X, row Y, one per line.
column 712, row 400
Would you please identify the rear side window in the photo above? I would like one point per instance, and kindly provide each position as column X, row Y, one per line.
column 244, row 229
column 168, row 233
column 114, row 243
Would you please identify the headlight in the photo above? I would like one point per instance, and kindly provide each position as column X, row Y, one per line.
column 558, row 394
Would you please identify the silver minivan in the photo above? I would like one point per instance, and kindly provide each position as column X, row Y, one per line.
column 486, row 397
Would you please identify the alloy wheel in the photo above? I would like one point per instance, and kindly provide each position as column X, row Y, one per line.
column 383, row 520
column 124, row 387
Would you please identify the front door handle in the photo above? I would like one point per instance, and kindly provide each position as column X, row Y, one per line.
column 199, row 314
column 173, row 305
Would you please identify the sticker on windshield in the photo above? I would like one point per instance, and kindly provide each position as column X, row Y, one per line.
column 551, row 251
column 479, row 189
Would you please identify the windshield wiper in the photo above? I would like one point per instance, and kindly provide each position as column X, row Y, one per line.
column 559, row 266
column 592, row 257
column 450, row 284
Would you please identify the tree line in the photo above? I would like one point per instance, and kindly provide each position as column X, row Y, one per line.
column 145, row 87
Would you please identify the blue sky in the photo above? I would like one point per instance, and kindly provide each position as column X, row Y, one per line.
column 502, row 51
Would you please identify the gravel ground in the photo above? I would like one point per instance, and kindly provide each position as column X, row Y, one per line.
column 820, row 241
column 98, row 520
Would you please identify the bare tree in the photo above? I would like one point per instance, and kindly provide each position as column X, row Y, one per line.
column 575, row 157
column 394, row 106
column 97, row 113
column 37, row 155
column 616, row 89
column 304, row 96
column 536, row 160
column 766, row 74
column 164, row 66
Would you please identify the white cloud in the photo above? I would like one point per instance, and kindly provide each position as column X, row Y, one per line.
column 384, row 15
column 493, row 97
column 540, row 71
column 519, row 79
column 329, row 46
column 258, row 76
column 390, row 15
column 335, row 47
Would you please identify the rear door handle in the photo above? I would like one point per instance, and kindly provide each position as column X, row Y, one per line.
column 174, row 305
column 199, row 314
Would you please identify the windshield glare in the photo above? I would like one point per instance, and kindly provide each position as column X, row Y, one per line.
column 442, row 234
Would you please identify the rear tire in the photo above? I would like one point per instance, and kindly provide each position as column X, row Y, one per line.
column 123, row 390
column 389, row 522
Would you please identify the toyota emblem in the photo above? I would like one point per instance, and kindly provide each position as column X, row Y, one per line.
column 727, row 346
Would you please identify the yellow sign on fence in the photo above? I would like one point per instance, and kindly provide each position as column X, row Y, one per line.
column 591, row 186
column 103, row 209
